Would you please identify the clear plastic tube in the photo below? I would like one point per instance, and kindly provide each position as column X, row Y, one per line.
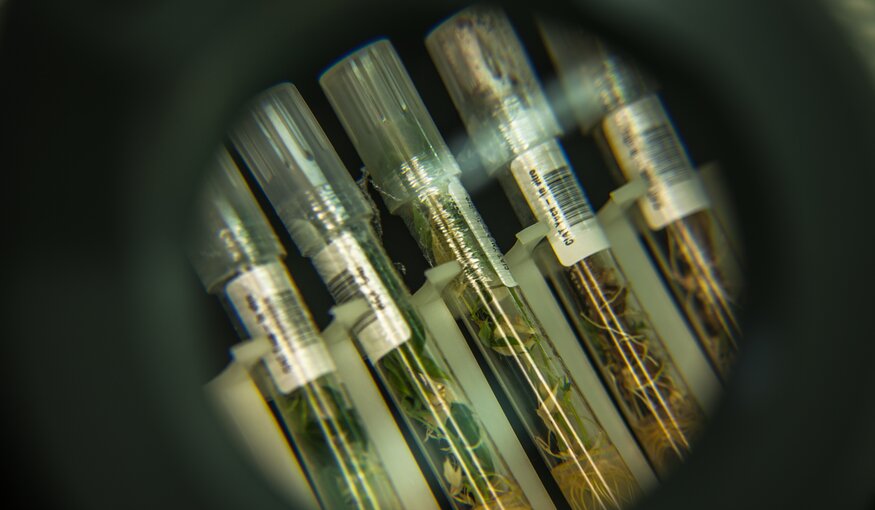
column 330, row 221
column 494, row 86
column 617, row 102
column 237, row 256
column 411, row 164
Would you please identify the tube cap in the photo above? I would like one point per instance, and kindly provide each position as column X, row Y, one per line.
column 296, row 166
column 388, row 123
column 230, row 230
column 488, row 74
column 597, row 78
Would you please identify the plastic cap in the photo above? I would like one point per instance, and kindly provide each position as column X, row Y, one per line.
column 230, row 230
column 296, row 166
column 489, row 76
column 597, row 78
column 388, row 123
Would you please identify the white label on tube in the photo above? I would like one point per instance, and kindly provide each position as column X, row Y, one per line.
column 645, row 144
column 557, row 200
column 268, row 305
column 349, row 274
column 478, row 228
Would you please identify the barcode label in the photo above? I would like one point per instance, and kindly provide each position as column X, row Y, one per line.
column 475, row 222
column 269, row 305
column 646, row 145
column 544, row 176
column 349, row 274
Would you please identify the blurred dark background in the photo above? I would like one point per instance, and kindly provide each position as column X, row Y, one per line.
column 111, row 109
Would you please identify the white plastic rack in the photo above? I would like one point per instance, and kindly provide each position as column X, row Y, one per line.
column 251, row 422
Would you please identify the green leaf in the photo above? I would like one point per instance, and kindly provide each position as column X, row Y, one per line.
column 485, row 333
column 395, row 377
column 432, row 369
column 470, row 429
column 417, row 338
column 468, row 426
column 483, row 455
column 346, row 415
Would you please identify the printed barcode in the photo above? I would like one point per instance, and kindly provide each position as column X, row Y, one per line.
column 646, row 146
column 665, row 155
column 568, row 196
column 346, row 287
column 268, row 305
column 349, row 274
column 557, row 200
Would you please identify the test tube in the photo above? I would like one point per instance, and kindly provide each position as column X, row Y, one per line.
column 238, row 257
column 616, row 101
column 494, row 87
column 418, row 177
column 329, row 220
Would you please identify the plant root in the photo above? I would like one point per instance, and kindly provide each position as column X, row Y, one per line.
column 585, row 490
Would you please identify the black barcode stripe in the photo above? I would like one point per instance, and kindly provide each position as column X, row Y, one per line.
column 568, row 196
column 344, row 287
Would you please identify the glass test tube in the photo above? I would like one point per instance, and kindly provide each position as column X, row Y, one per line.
column 505, row 110
column 237, row 256
column 329, row 220
column 614, row 99
column 418, row 178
